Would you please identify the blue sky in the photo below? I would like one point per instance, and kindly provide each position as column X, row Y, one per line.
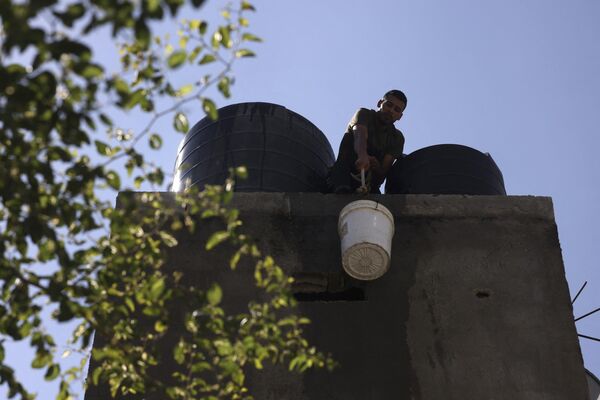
column 519, row 79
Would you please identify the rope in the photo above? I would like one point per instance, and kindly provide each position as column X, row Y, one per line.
column 365, row 182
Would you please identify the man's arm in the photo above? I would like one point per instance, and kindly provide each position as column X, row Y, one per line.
column 380, row 171
column 361, row 133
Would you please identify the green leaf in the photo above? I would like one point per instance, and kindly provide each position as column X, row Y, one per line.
column 153, row 5
column 298, row 363
column 91, row 71
column 183, row 42
column 157, row 288
column 185, row 90
column 142, row 33
column 216, row 238
column 216, row 40
column 225, row 36
column 194, row 53
column 16, row 69
column 168, row 239
column 67, row 46
column 41, row 360
column 47, row 250
column 130, row 304
column 241, row 172
column 160, row 326
column 156, row 176
column 121, row 86
column 224, row 86
column 102, row 148
column 106, row 120
column 247, row 6
column 176, row 59
column 179, row 352
column 25, row 329
column 190, row 324
column 223, row 347
column 208, row 58
column 73, row 12
column 96, row 375
column 146, row 104
column 135, row 98
column 244, row 53
column 233, row 261
column 200, row 366
column 251, row 38
column 214, row 295
column 202, row 27
column 238, row 377
column 155, row 141
column 210, row 108
column 113, row 180
column 180, row 122
column 137, row 182
column 52, row 372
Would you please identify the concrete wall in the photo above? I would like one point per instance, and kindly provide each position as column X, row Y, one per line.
column 475, row 305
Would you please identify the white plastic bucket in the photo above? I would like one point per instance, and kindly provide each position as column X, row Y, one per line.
column 366, row 229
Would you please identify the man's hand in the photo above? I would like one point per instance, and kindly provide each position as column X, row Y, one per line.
column 375, row 166
column 363, row 162
column 380, row 170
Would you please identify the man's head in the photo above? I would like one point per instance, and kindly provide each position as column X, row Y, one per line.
column 391, row 106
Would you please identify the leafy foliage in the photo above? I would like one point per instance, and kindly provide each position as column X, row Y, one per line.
column 65, row 248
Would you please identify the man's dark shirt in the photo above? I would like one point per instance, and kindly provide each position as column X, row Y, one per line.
column 382, row 139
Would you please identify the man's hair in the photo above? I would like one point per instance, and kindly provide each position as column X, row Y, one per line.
column 398, row 94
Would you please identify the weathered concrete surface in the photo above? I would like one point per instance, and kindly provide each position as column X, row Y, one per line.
column 475, row 305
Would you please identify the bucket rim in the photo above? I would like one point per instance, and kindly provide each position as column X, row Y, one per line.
column 369, row 204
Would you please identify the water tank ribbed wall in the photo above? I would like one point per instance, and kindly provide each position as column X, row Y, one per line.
column 446, row 169
column 283, row 151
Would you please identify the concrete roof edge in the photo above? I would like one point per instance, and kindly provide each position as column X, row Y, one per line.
column 401, row 206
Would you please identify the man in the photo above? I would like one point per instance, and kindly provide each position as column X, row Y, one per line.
column 371, row 143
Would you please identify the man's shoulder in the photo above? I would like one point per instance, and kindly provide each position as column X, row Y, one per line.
column 398, row 134
column 366, row 111
column 362, row 116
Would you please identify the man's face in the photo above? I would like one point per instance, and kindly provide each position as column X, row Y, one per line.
column 390, row 109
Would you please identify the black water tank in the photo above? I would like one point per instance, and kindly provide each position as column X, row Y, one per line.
column 283, row 151
column 446, row 169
